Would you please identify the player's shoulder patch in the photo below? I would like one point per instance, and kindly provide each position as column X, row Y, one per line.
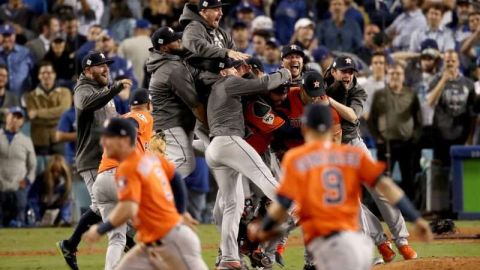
column 121, row 183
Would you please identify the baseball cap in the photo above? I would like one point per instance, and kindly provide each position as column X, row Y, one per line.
column 244, row 7
column 291, row 49
column 429, row 47
column 273, row 42
column 164, row 35
column 17, row 110
column 239, row 25
column 282, row 89
column 317, row 117
column 59, row 36
column 203, row 4
column 256, row 64
column 344, row 63
column 304, row 22
column 139, row 96
column 313, row 84
column 143, row 24
column 262, row 23
column 119, row 127
column 7, row 29
column 95, row 58
column 320, row 53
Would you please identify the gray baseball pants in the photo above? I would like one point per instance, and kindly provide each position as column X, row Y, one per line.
column 180, row 150
column 89, row 177
column 106, row 195
column 228, row 157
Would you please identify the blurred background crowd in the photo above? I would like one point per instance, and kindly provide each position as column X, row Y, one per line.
column 434, row 44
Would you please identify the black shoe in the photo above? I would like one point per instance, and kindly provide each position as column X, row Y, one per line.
column 309, row 267
column 129, row 245
column 279, row 259
column 69, row 256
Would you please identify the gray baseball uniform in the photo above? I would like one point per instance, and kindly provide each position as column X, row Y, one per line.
column 227, row 148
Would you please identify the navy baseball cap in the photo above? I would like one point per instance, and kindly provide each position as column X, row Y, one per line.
column 239, row 25
column 7, row 29
column 273, row 42
column 204, row 4
column 344, row 63
column 95, row 58
column 320, row 53
column 59, row 37
column 429, row 47
column 164, row 35
column 143, row 24
column 256, row 64
column 17, row 110
column 282, row 89
column 244, row 7
column 318, row 117
column 313, row 84
column 230, row 63
column 119, row 127
column 139, row 96
column 291, row 49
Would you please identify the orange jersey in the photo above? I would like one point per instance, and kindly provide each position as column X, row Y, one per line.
column 145, row 179
column 324, row 180
column 262, row 122
column 144, row 133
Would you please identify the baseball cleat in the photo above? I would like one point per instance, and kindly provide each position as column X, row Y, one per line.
column 407, row 252
column 385, row 249
column 69, row 256
column 377, row 261
column 229, row 265
column 309, row 266
column 279, row 259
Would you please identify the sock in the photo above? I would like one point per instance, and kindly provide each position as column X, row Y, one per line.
column 88, row 218
column 280, row 249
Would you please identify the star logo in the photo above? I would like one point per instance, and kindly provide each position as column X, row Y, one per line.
column 316, row 84
column 293, row 47
column 170, row 30
column 348, row 60
column 102, row 55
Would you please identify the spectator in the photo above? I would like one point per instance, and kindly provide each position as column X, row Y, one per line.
column 471, row 44
column 45, row 104
column 48, row 26
column 434, row 30
column 62, row 60
column 70, row 26
column 120, row 65
column 292, row 59
column 259, row 41
column 121, row 23
column 354, row 14
column 286, row 14
column 459, row 25
column 365, row 52
column 93, row 33
column 339, row 33
column 304, row 34
column 17, row 167
column 395, row 122
column 323, row 57
column 53, row 190
column 241, row 37
column 263, row 23
column 21, row 18
column 375, row 82
column 160, row 13
column 405, row 24
column 245, row 12
column 271, row 57
column 136, row 48
column 88, row 12
column 67, row 133
column 453, row 96
column 7, row 99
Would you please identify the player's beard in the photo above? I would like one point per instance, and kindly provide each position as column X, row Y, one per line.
column 180, row 52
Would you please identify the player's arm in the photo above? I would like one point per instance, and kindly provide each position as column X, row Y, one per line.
column 180, row 196
column 396, row 197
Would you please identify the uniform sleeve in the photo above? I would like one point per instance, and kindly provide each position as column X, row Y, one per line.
column 128, row 184
column 289, row 181
column 357, row 100
column 369, row 169
column 261, row 116
column 86, row 98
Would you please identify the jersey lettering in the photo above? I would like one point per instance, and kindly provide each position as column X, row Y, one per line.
column 332, row 179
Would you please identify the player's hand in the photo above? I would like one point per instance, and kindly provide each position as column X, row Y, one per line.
column 257, row 235
column 190, row 221
column 91, row 236
column 126, row 83
column 423, row 231
column 237, row 55
column 32, row 114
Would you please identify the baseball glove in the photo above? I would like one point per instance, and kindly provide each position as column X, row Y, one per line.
column 442, row 226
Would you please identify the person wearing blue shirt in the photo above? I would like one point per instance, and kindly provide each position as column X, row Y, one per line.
column 93, row 32
column 286, row 14
column 67, row 132
column 18, row 59
column 339, row 33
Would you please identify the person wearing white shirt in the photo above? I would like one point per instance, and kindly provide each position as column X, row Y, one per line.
column 405, row 24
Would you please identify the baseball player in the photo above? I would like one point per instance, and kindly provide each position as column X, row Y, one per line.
column 93, row 105
column 347, row 97
column 104, row 186
column 153, row 195
column 292, row 59
column 324, row 180
column 227, row 147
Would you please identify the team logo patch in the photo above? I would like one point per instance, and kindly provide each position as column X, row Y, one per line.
column 316, row 84
column 205, row 4
column 160, row 41
column 268, row 118
column 102, row 55
column 170, row 30
column 89, row 62
column 293, row 47
column 121, row 183
column 348, row 60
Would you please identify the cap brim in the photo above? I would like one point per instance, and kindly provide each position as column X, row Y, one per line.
column 316, row 93
column 215, row 6
column 106, row 61
column 346, row 68
column 293, row 52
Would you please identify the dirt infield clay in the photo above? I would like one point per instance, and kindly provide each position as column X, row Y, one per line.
column 444, row 263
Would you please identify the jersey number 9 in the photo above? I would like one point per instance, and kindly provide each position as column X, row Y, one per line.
column 334, row 188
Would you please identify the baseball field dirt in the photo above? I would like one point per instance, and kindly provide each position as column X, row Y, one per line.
column 445, row 263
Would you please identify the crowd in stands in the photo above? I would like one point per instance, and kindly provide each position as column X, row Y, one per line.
column 417, row 59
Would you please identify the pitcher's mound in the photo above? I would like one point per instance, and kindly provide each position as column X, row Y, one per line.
column 443, row 263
